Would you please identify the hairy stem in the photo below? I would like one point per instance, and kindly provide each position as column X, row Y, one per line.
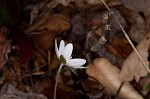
column 57, row 77
column 126, row 35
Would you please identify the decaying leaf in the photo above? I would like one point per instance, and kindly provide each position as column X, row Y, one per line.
column 65, row 2
column 93, row 2
column 133, row 68
column 119, row 46
column 56, row 23
column 65, row 92
column 9, row 91
column 108, row 75
column 139, row 6
column 23, row 45
column 5, row 46
column 48, row 29
column 45, row 40
column 137, row 23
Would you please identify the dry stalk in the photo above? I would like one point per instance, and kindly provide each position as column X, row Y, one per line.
column 126, row 35
column 56, row 83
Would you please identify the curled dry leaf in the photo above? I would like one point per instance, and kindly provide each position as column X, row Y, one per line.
column 108, row 75
column 133, row 68
column 56, row 22
column 48, row 30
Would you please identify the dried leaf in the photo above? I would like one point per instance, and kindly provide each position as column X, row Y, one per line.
column 45, row 86
column 54, row 62
column 78, row 28
column 108, row 75
column 65, row 2
column 65, row 92
column 119, row 46
column 48, row 29
column 33, row 14
column 139, row 6
column 23, row 44
column 137, row 30
column 56, row 22
column 133, row 68
column 95, row 2
column 44, row 40
column 9, row 91
column 5, row 46
column 144, row 83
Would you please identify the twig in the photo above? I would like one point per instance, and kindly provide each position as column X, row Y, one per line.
column 32, row 83
column 126, row 35
column 49, row 57
column 57, row 77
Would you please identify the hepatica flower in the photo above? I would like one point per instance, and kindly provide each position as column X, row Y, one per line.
column 64, row 55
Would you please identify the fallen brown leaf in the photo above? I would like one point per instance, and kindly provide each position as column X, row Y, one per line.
column 132, row 67
column 44, row 40
column 5, row 46
column 56, row 22
column 137, row 24
column 119, row 46
column 9, row 91
column 108, row 75
column 65, row 2
column 139, row 6
column 48, row 29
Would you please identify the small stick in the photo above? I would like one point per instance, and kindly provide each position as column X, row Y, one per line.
column 126, row 35
column 49, row 57
column 32, row 83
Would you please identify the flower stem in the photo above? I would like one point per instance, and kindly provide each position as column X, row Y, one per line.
column 57, row 77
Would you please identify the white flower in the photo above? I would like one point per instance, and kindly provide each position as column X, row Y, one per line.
column 64, row 55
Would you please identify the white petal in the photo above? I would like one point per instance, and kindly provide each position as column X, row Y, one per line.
column 67, row 51
column 56, row 49
column 61, row 47
column 76, row 63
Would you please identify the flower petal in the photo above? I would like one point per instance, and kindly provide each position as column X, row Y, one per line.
column 56, row 49
column 76, row 63
column 67, row 51
column 61, row 47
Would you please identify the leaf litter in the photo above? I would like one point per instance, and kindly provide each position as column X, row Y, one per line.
column 29, row 64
